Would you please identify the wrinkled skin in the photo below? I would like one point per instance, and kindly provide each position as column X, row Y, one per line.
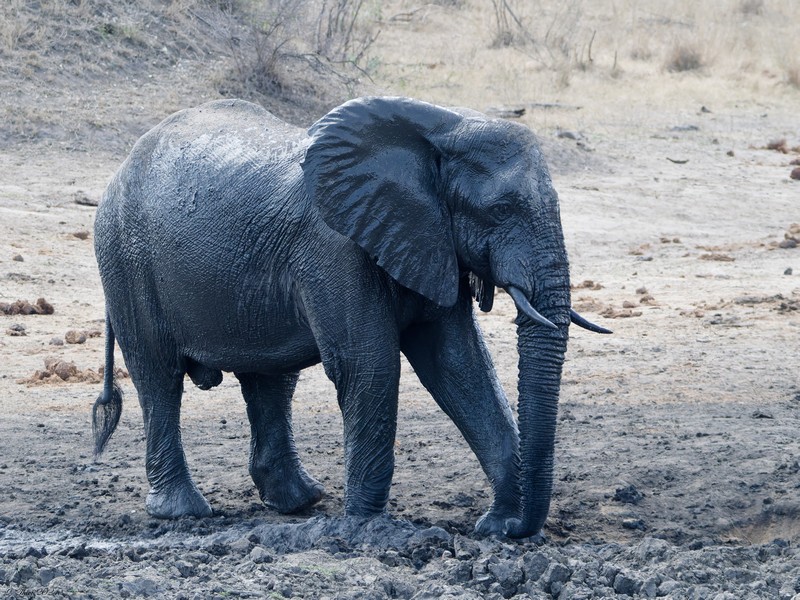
column 230, row 241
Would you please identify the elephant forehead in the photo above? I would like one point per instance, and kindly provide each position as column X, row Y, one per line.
column 515, row 178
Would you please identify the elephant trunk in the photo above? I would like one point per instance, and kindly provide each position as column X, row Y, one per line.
column 541, row 357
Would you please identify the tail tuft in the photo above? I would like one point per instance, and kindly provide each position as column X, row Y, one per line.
column 105, row 417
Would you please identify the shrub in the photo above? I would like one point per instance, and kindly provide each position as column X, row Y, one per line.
column 684, row 58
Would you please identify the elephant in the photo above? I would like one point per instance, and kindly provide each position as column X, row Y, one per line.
column 231, row 241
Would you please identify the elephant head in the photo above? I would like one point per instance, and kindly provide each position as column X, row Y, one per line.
column 435, row 195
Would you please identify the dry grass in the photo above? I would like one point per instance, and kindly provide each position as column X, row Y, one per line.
column 298, row 58
column 580, row 52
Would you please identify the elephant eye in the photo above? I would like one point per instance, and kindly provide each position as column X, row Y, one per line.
column 500, row 211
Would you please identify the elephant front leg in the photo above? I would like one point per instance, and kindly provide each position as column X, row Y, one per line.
column 172, row 494
column 282, row 481
column 367, row 389
column 453, row 363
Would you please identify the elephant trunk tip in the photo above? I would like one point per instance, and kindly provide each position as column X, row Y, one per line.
column 519, row 529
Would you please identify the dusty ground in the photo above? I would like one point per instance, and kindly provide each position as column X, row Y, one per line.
column 679, row 436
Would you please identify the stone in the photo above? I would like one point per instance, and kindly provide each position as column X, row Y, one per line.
column 260, row 555
column 457, row 571
column 47, row 574
column 507, row 574
column 140, row 586
column 186, row 569
column 650, row 548
column 241, row 546
column 465, row 548
column 572, row 591
column 627, row 585
column 649, row 588
column 534, row 564
column 665, row 588
column 24, row 571
column 73, row 336
column 628, row 495
column 555, row 577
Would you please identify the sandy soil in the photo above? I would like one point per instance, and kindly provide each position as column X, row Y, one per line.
column 677, row 459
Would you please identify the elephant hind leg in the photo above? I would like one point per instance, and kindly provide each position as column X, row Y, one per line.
column 282, row 481
column 203, row 377
column 172, row 492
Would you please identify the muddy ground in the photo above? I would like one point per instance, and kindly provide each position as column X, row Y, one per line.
column 679, row 436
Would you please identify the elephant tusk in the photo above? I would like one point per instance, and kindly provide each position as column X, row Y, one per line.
column 581, row 322
column 525, row 306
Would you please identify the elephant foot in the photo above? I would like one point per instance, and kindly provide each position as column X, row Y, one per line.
column 291, row 493
column 495, row 523
column 179, row 501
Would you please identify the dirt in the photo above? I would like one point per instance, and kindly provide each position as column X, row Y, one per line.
column 678, row 450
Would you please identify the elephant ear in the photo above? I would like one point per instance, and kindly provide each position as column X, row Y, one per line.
column 372, row 169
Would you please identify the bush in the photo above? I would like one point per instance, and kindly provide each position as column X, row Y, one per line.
column 684, row 58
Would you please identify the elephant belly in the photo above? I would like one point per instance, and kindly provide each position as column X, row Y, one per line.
column 277, row 350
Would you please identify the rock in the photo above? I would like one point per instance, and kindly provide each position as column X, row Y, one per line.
column 788, row 271
column 186, row 569
column 44, row 307
column 33, row 550
column 788, row 243
column 481, row 574
column 81, row 198
column 241, row 546
column 627, row 585
column 285, row 589
column 429, row 535
column 65, row 370
column 140, row 586
column 533, row 565
column 47, row 574
column 555, row 577
column 23, row 307
column 507, row 574
column 56, row 341
column 603, row 591
column 650, row 548
column 457, row 571
column 665, row 588
column 465, row 548
column 17, row 329
column 649, row 588
column 628, row 495
column 81, row 235
column 24, row 571
column 795, row 174
column 392, row 558
column 636, row 524
column 74, row 336
column 572, row 591
column 609, row 572
column 18, row 258
column 260, row 555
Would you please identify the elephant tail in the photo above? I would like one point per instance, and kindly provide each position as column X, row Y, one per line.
column 108, row 406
